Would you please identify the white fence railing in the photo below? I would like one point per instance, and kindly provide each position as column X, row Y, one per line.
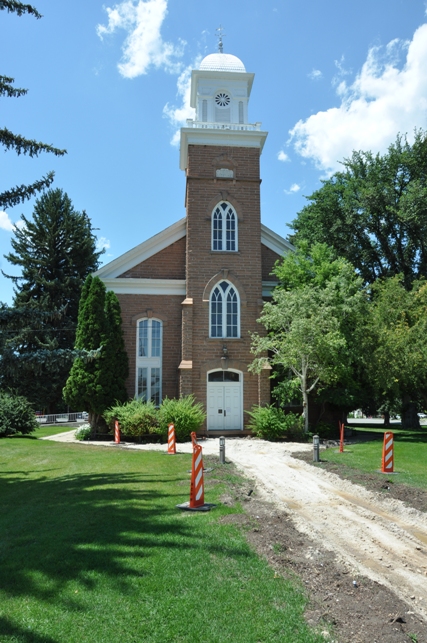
column 244, row 127
column 61, row 418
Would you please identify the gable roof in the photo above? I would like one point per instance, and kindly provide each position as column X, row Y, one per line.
column 169, row 235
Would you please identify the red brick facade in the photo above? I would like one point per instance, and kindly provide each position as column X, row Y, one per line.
column 206, row 267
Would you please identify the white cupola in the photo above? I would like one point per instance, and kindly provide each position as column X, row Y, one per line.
column 220, row 91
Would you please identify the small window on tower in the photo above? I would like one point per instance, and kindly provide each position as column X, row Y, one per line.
column 224, row 227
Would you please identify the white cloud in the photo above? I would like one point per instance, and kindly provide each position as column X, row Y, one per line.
column 282, row 156
column 5, row 222
column 143, row 46
column 382, row 101
column 315, row 74
column 293, row 189
column 178, row 115
column 102, row 243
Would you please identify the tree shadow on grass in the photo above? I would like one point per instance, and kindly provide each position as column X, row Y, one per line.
column 78, row 528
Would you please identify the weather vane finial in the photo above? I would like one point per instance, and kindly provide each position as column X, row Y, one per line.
column 220, row 33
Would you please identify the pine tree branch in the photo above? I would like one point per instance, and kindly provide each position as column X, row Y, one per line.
column 28, row 146
column 7, row 88
column 22, row 193
column 13, row 6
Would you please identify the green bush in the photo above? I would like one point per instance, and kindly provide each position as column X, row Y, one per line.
column 186, row 415
column 136, row 417
column 16, row 415
column 267, row 422
column 271, row 423
column 83, row 432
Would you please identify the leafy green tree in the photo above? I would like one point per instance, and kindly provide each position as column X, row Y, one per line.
column 396, row 337
column 311, row 322
column 374, row 212
column 91, row 384
column 16, row 142
column 55, row 252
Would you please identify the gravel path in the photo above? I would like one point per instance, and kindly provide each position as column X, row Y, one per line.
column 377, row 537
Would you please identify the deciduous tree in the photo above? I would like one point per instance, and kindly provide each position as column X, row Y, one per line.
column 374, row 212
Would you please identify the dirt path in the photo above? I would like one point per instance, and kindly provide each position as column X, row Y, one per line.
column 380, row 538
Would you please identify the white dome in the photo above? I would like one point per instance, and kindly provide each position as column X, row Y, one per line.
column 222, row 62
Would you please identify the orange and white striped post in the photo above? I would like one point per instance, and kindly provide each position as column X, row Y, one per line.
column 341, row 437
column 388, row 455
column 193, row 438
column 197, row 491
column 171, row 440
column 117, row 432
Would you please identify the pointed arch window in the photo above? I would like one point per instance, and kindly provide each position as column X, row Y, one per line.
column 224, row 311
column 224, row 227
column 149, row 360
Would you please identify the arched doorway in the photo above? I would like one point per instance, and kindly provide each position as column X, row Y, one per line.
column 225, row 400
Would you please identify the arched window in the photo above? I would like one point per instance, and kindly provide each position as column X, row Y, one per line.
column 224, row 311
column 149, row 360
column 224, row 227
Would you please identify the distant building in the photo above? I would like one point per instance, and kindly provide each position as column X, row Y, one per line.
column 191, row 295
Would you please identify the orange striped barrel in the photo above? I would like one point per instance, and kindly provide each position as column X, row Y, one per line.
column 171, row 439
column 388, row 457
column 117, row 432
column 197, row 492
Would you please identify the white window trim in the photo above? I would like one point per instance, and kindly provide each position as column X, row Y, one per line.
column 149, row 362
column 224, row 310
column 224, row 228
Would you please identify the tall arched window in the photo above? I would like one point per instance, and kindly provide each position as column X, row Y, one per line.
column 224, row 311
column 224, row 227
column 149, row 360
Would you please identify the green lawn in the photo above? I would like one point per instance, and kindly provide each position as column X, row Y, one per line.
column 93, row 550
column 410, row 455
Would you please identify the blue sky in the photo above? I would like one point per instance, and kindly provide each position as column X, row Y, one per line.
column 109, row 83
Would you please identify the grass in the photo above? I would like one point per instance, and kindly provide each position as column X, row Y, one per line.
column 93, row 550
column 410, row 455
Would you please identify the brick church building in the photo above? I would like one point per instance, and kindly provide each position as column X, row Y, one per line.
column 190, row 296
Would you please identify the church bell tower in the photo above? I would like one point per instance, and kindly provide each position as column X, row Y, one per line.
column 220, row 154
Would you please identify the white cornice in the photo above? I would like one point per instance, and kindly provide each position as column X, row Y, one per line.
column 129, row 286
column 275, row 242
column 143, row 251
column 223, row 136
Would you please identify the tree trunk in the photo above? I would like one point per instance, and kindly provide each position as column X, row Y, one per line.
column 386, row 418
column 409, row 414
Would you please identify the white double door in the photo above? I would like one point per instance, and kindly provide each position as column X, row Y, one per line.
column 225, row 406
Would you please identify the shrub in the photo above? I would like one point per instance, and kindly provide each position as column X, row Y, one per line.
column 295, row 427
column 267, row 422
column 186, row 415
column 16, row 415
column 83, row 432
column 136, row 417
column 271, row 423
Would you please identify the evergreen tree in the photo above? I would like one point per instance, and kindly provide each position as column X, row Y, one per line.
column 94, row 385
column 16, row 142
column 55, row 251
column 115, row 356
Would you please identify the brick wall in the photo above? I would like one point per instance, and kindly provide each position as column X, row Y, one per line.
column 243, row 268
column 167, row 264
column 268, row 258
column 168, row 310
